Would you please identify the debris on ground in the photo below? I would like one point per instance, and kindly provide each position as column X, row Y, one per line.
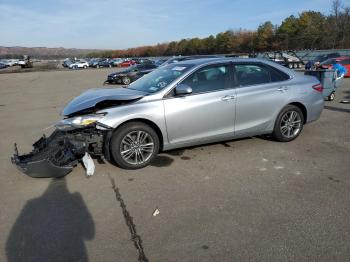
column 88, row 164
column 156, row 212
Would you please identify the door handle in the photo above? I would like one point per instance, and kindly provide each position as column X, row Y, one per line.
column 228, row 97
column 283, row 88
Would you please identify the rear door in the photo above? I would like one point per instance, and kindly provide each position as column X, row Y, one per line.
column 262, row 91
column 208, row 112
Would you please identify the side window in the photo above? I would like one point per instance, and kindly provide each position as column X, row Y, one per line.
column 276, row 75
column 345, row 62
column 209, row 78
column 251, row 74
column 150, row 66
column 254, row 74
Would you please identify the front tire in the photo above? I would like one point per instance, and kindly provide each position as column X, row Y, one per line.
column 134, row 145
column 126, row 80
column 289, row 124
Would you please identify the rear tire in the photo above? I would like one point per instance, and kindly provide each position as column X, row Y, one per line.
column 289, row 124
column 134, row 145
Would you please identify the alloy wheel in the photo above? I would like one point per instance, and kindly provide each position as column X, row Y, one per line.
column 290, row 124
column 126, row 80
column 136, row 147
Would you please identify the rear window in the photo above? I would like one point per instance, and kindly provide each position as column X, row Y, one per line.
column 277, row 75
column 255, row 74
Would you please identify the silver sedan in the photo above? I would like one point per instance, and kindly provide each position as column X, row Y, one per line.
column 203, row 101
column 183, row 104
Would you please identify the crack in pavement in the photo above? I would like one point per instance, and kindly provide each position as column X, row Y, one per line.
column 130, row 223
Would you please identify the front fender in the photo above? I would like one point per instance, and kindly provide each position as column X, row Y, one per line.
column 152, row 111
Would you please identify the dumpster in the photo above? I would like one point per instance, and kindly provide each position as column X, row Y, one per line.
column 329, row 81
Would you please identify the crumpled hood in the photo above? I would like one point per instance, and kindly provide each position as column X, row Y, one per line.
column 92, row 97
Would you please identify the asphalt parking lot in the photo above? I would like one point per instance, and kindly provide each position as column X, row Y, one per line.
column 244, row 200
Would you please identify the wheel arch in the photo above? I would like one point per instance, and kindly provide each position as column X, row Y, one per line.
column 147, row 122
column 302, row 108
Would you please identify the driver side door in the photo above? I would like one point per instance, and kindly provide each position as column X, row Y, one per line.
column 208, row 113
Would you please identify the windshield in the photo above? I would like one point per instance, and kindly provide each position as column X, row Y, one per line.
column 129, row 69
column 160, row 78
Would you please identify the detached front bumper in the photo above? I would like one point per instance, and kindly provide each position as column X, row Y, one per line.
column 58, row 154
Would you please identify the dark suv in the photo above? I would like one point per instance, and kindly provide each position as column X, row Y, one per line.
column 130, row 74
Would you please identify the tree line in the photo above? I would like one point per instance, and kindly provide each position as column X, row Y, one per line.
column 308, row 30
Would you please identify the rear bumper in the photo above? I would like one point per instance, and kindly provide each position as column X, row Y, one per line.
column 314, row 111
column 57, row 155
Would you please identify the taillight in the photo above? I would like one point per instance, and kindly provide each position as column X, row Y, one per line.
column 318, row 87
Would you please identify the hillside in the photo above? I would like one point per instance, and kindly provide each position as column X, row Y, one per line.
column 43, row 52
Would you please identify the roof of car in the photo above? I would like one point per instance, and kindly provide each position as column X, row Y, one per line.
column 223, row 59
column 203, row 61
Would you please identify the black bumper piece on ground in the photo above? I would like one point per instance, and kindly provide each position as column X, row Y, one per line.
column 56, row 155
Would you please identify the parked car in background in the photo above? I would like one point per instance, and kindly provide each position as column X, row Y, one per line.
column 127, row 63
column 178, row 105
column 159, row 62
column 142, row 61
column 185, row 58
column 2, row 66
column 103, row 63
column 344, row 60
column 79, row 64
column 66, row 62
column 319, row 59
column 10, row 62
column 130, row 74
column 116, row 61
column 93, row 62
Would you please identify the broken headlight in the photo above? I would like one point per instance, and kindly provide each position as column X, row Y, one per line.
column 78, row 122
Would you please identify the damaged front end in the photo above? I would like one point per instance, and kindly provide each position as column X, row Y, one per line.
column 58, row 154
column 79, row 133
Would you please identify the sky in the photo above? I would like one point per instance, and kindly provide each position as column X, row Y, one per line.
column 120, row 24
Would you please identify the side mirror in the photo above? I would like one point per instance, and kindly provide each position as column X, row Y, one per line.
column 183, row 89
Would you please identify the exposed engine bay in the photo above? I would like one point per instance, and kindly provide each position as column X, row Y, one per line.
column 75, row 135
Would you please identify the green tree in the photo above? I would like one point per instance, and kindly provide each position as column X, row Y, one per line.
column 264, row 36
